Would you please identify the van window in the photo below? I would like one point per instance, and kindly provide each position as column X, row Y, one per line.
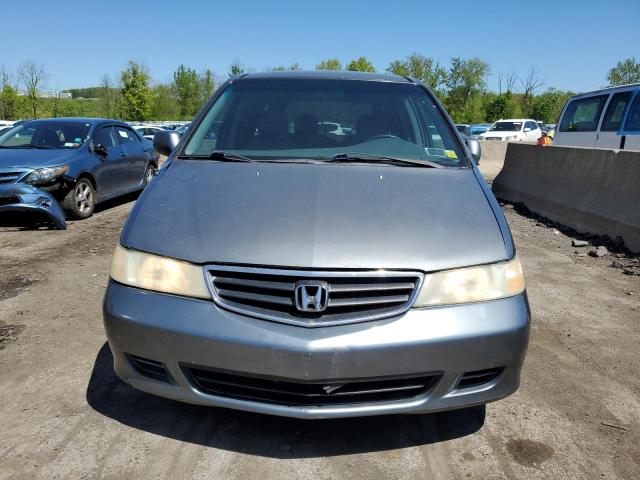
column 582, row 115
column 633, row 119
column 615, row 111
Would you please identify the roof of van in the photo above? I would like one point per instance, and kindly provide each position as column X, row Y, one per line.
column 329, row 75
column 608, row 90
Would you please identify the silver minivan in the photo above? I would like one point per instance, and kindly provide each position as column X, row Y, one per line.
column 277, row 266
column 608, row 118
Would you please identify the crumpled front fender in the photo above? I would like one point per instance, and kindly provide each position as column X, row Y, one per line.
column 21, row 197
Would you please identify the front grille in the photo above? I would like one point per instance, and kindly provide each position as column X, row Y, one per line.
column 10, row 177
column 350, row 296
column 286, row 392
column 9, row 200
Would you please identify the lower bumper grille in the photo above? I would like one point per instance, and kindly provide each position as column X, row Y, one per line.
column 477, row 378
column 150, row 368
column 285, row 392
column 9, row 200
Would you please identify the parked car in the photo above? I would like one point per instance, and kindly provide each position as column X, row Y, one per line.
column 607, row 118
column 474, row 131
column 6, row 124
column 513, row 130
column 75, row 163
column 183, row 129
column 313, row 275
column 147, row 131
column 461, row 127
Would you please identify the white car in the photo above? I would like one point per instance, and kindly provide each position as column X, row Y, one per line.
column 147, row 131
column 607, row 118
column 513, row 130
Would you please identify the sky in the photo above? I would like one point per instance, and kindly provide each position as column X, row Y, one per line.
column 571, row 44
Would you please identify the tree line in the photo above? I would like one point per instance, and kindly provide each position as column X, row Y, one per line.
column 461, row 86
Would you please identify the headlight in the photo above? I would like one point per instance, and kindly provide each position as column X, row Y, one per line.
column 160, row 274
column 512, row 138
column 45, row 175
column 474, row 284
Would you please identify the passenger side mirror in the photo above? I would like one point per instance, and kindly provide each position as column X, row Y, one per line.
column 100, row 150
column 527, row 130
column 474, row 148
column 165, row 141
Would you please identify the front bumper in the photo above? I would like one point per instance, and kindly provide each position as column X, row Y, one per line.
column 22, row 197
column 182, row 332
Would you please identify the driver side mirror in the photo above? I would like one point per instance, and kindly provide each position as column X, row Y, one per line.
column 474, row 148
column 100, row 150
column 165, row 141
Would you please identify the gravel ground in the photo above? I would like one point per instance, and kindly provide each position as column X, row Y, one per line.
column 64, row 414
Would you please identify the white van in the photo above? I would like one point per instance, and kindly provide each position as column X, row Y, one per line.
column 608, row 118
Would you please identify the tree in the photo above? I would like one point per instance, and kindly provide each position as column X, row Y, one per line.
column 361, row 65
column 236, row 68
column 500, row 107
column 186, row 84
column 136, row 92
column 282, row 68
column 529, row 86
column 8, row 103
column 329, row 64
column 547, row 106
column 421, row 68
column 108, row 96
column 626, row 71
column 207, row 85
column 33, row 78
column 466, row 78
column 507, row 81
column 165, row 105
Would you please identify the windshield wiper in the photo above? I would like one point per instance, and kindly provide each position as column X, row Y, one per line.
column 371, row 158
column 219, row 155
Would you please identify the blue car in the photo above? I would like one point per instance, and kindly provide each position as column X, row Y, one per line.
column 66, row 166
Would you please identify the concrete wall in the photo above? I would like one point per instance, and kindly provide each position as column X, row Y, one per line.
column 595, row 191
column 492, row 158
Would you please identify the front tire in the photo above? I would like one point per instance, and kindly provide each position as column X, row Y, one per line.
column 149, row 173
column 80, row 201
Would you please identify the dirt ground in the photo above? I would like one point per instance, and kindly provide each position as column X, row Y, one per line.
column 64, row 414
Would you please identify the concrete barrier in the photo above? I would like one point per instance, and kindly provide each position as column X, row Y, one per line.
column 592, row 190
column 492, row 158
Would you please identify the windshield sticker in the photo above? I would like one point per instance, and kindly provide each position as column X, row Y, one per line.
column 436, row 152
column 122, row 134
column 71, row 144
column 450, row 154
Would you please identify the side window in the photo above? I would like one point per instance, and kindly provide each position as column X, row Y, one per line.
column 531, row 125
column 126, row 135
column 633, row 119
column 613, row 116
column 104, row 136
column 582, row 115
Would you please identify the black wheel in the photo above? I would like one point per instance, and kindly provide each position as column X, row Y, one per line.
column 80, row 201
column 149, row 173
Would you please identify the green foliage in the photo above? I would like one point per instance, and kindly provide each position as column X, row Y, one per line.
column 282, row 68
column 547, row 106
column 361, row 65
column 136, row 93
column 186, row 84
column 502, row 106
column 236, row 69
column 9, row 103
column 329, row 64
column 165, row 103
column 626, row 71
column 422, row 68
column 466, row 79
column 207, row 85
column 89, row 92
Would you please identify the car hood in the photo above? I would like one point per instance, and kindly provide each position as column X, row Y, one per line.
column 34, row 158
column 316, row 216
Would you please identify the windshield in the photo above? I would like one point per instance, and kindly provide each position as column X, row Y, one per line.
column 506, row 127
column 318, row 119
column 43, row 134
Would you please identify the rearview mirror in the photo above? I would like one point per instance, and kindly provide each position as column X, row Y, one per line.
column 474, row 148
column 100, row 150
column 165, row 141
